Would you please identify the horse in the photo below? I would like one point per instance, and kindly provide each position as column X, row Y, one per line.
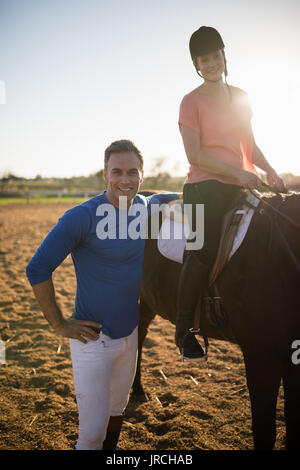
column 259, row 287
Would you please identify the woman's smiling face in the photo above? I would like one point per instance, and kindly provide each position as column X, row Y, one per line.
column 211, row 66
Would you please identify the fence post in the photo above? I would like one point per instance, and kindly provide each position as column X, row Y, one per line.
column 2, row 352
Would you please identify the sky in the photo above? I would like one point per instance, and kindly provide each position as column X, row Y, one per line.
column 75, row 75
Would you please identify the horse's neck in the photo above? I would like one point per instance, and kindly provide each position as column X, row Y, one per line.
column 291, row 208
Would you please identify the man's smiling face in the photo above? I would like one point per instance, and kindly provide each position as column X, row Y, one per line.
column 123, row 176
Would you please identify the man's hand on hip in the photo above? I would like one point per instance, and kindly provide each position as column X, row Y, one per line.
column 78, row 329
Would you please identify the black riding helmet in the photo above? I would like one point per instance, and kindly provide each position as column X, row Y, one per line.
column 204, row 41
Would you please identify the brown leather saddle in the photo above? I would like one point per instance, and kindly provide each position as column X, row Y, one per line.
column 211, row 305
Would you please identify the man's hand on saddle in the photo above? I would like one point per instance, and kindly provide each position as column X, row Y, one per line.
column 78, row 329
column 275, row 182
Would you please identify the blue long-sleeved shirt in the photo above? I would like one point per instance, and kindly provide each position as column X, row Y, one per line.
column 108, row 271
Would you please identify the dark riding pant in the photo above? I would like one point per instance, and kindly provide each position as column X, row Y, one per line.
column 217, row 198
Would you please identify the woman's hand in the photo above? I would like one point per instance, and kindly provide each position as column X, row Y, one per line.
column 249, row 180
column 78, row 329
column 274, row 181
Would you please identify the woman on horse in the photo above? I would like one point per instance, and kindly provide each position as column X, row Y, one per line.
column 215, row 124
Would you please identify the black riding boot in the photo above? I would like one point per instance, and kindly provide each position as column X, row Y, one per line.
column 113, row 433
column 193, row 280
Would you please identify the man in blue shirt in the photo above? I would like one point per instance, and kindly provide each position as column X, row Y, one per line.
column 108, row 266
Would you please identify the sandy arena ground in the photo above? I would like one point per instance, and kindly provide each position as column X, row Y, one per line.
column 189, row 407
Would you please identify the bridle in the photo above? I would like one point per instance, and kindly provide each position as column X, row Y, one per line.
column 277, row 226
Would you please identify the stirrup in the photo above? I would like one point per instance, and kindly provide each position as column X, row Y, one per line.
column 195, row 331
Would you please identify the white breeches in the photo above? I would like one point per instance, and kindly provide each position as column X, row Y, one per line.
column 103, row 375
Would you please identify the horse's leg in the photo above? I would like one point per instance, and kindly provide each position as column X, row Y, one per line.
column 291, row 383
column 263, row 373
column 146, row 316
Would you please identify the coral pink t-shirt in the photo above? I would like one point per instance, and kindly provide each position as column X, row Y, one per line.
column 224, row 129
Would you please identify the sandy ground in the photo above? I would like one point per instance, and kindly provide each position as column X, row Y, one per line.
column 190, row 406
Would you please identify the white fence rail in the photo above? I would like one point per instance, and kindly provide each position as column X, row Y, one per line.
column 59, row 194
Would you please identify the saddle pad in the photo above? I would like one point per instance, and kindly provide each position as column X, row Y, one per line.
column 174, row 246
column 172, row 249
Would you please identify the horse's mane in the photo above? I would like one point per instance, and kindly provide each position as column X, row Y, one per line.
column 270, row 195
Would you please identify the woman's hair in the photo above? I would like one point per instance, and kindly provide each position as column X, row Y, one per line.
column 225, row 61
column 122, row 146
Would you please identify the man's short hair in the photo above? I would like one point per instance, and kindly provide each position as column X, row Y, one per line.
column 120, row 146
